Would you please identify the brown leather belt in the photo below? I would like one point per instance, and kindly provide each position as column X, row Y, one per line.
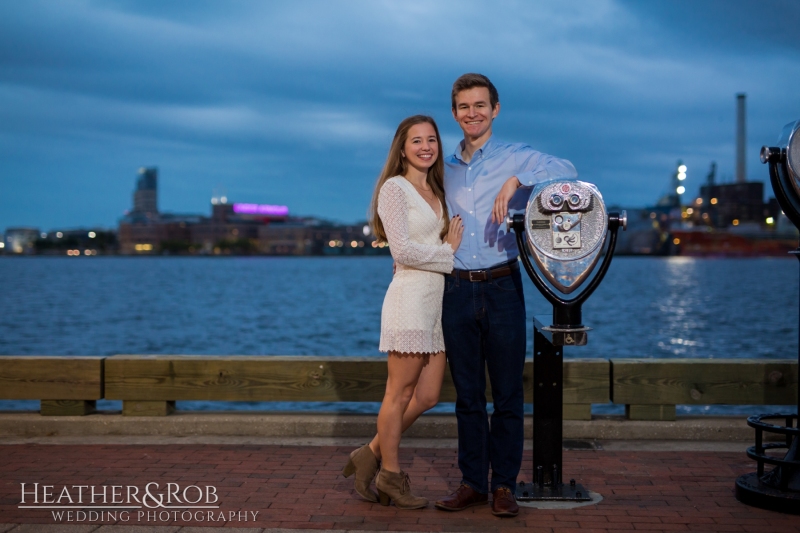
column 484, row 275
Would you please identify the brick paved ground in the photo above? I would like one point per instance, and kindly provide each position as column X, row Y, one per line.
column 301, row 487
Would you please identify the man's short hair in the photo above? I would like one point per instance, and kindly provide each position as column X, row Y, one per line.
column 471, row 80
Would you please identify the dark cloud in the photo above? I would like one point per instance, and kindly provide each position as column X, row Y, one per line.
column 740, row 27
column 296, row 102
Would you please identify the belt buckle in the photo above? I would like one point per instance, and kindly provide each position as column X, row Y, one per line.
column 471, row 272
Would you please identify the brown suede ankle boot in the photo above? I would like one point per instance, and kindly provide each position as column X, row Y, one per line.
column 363, row 464
column 396, row 486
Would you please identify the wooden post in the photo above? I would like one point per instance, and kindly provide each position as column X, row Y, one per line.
column 67, row 407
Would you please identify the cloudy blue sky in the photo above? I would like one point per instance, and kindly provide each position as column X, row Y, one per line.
column 295, row 102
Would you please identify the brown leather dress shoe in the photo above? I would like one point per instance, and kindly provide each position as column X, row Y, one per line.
column 462, row 498
column 504, row 503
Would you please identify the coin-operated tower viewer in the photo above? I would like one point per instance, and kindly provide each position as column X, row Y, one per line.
column 565, row 230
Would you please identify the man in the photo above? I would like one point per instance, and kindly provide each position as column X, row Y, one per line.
column 483, row 315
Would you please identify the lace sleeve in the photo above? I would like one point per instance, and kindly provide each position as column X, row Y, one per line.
column 393, row 210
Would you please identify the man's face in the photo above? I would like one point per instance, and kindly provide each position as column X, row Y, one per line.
column 474, row 113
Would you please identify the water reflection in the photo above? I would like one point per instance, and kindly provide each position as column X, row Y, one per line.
column 646, row 307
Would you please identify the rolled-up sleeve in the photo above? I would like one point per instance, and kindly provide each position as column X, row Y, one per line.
column 536, row 167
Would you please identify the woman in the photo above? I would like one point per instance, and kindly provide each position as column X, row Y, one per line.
column 409, row 212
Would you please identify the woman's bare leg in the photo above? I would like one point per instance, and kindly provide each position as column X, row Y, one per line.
column 426, row 395
column 404, row 372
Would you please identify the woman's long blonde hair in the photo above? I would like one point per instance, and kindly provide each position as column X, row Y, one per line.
column 396, row 165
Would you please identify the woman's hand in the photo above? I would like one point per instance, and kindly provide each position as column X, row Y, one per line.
column 453, row 237
column 500, row 209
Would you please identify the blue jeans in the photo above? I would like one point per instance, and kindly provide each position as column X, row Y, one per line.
column 484, row 328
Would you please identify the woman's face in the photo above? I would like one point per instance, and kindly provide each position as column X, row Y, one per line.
column 421, row 147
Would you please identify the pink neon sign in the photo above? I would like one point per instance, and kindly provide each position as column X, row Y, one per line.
column 261, row 209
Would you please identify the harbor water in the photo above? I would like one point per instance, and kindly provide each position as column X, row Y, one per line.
column 646, row 307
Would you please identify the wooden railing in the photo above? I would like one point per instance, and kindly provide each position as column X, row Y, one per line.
column 651, row 388
column 150, row 384
column 65, row 385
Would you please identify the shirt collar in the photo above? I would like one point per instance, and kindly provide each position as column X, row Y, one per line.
column 486, row 148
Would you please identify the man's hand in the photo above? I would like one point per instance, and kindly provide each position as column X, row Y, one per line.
column 500, row 209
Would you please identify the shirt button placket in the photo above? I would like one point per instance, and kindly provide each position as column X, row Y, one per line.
column 473, row 245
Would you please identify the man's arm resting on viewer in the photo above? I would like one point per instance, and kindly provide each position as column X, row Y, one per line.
column 534, row 167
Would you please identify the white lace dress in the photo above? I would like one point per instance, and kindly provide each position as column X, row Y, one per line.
column 411, row 319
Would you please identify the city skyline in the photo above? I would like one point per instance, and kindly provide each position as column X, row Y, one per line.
column 278, row 106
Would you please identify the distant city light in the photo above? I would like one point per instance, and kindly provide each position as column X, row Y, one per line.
column 681, row 189
column 681, row 176
column 261, row 209
column 223, row 200
column 682, row 169
column 713, row 201
column 44, row 235
column 332, row 244
column 143, row 247
column 2, row 245
column 690, row 210
column 676, row 241
column 87, row 252
column 353, row 244
column 92, row 235
column 214, row 201
column 59, row 234
column 699, row 201
column 735, row 222
column 366, row 230
column 770, row 220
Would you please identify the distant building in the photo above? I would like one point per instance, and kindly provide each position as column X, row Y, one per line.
column 20, row 240
column 143, row 230
column 145, row 197
column 310, row 236
column 742, row 202
column 644, row 234
column 233, row 228
column 226, row 231
column 75, row 242
column 167, row 233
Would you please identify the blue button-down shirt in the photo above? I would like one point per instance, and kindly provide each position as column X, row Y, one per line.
column 470, row 190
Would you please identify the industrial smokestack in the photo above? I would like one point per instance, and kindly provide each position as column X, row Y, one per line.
column 741, row 141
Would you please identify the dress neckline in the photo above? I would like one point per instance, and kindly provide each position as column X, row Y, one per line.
column 424, row 201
